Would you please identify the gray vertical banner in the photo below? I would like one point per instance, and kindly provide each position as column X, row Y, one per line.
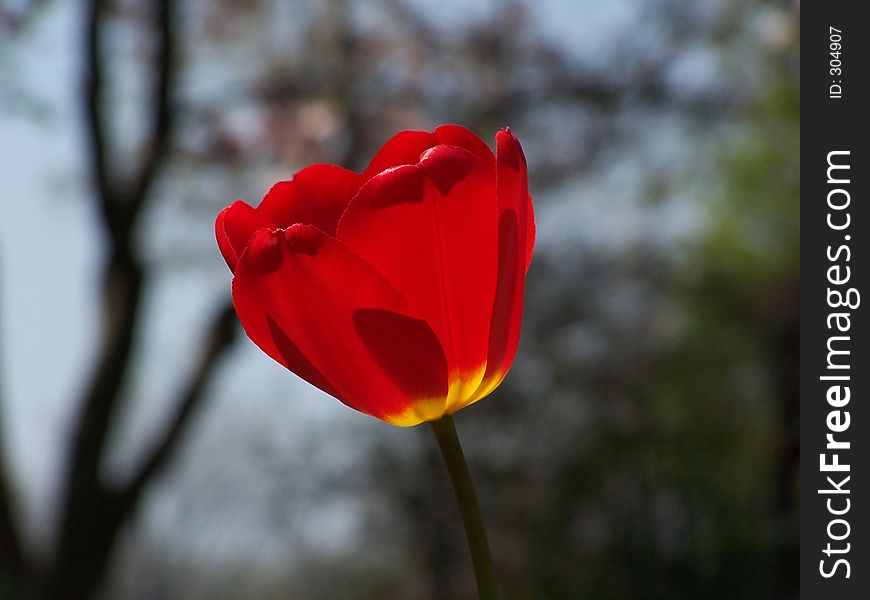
column 835, row 370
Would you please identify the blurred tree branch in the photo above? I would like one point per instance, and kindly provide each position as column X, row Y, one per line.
column 221, row 336
column 92, row 510
column 13, row 561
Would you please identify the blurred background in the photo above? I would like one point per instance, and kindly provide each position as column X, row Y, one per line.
column 645, row 442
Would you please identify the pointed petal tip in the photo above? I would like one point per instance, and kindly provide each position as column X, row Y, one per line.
column 509, row 149
column 506, row 134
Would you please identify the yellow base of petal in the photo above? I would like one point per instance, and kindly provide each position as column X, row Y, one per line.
column 463, row 391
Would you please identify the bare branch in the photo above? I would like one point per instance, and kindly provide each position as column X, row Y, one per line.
column 92, row 88
column 91, row 513
column 161, row 120
column 124, row 276
column 13, row 560
column 221, row 336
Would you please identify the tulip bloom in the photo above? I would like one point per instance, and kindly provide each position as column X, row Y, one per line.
column 398, row 290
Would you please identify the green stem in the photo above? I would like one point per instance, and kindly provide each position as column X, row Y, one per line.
column 451, row 450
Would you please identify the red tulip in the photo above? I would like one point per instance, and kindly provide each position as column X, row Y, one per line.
column 399, row 290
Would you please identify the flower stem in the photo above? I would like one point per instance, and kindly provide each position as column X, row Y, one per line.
column 451, row 450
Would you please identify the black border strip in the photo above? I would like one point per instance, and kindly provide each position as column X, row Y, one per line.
column 835, row 226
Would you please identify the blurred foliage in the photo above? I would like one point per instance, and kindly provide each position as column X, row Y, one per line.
column 724, row 399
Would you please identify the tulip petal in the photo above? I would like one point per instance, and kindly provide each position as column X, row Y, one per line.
column 515, row 243
column 324, row 313
column 531, row 233
column 317, row 195
column 413, row 364
column 234, row 226
column 457, row 135
column 404, row 148
column 431, row 229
